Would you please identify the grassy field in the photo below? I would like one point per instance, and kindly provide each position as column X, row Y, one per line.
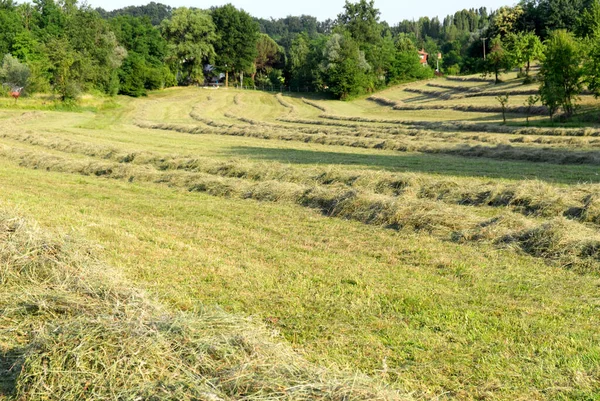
column 305, row 248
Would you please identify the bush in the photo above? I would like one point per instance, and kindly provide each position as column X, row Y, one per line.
column 14, row 73
column 248, row 81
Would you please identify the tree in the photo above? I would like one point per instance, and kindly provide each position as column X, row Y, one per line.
column 62, row 58
column 344, row 67
column 14, row 73
column 269, row 55
column 155, row 12
column 592, row 65
column 523, row 48
column 143, row 68
column 305, row 56
column 237, row 34
column 190, row 35
column 531, row 49
column 498, row 59
column 10, row 22
column 406, row 64
column 362, row 21
column 589, row 22
column 561, row 72
column 505, row 19
column 503, row 100
column 530, row 102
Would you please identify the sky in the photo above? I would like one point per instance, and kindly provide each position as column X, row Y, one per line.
column 392, row 11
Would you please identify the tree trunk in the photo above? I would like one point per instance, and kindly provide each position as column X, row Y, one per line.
column 227, row 79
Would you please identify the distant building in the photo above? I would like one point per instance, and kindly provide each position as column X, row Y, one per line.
column 423, row 56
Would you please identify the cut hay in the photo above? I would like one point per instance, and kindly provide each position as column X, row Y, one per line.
column 78, row 330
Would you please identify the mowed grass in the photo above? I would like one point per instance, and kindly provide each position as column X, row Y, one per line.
column 436, row 318
column 431, row 317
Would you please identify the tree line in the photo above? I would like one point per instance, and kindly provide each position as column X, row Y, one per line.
column 66, row 47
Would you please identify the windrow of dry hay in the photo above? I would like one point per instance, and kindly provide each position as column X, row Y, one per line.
column 467, row 126
column 72, row 328
column 528, row 197
column 467, row 92
column 399, row 105
column 502, row 152
column 437, row 208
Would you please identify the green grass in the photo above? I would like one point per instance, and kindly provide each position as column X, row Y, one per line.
column 430, row 316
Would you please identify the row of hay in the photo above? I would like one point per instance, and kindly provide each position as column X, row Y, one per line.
column 559, row 240
column 290, row 107
column 444, row 95
column 323, row 127
column 317, row 127
column 479, row 92
column 469, row 79
column 385, row 128
column 315, row 105
column 526, row 197
column 74, row 329
column 502, row 152
column 530, row 110
column 465, row 126
column 457, row 88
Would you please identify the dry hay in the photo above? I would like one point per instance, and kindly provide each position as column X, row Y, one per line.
column 402, row 212
column 79, row 330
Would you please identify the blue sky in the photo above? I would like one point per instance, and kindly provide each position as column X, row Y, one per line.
column 392, row 11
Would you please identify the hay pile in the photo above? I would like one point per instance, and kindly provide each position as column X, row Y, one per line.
column 72, row 328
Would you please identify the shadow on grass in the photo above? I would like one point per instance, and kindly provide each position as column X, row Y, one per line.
column 428, row 163
column 10, row 367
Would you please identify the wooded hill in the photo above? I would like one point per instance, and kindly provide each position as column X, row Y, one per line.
column 66, row 47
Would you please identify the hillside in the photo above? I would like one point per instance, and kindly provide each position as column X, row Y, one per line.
column 411, row 237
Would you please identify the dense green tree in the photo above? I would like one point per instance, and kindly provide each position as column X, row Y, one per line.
column 362, row 21
column 589, row 22
column 406, row 64
column 269, row 55
column 561, row 72
column 237, row 34
column 143, row 68
column 532, row 49
column 191, row 36
column 155, row 12
column 11, row 26
column 48, row 19
column 97, row 54
column 592, row 64
column 505, row 20
column 62, row 57
column 132, row 75
column 304, row 60
column 523, row 48
column 344, row 67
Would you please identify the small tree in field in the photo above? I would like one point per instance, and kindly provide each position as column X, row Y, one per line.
column 530, row 102
column 503, row 100
column 561, row 73
column 498, row 59
column 532, row 49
